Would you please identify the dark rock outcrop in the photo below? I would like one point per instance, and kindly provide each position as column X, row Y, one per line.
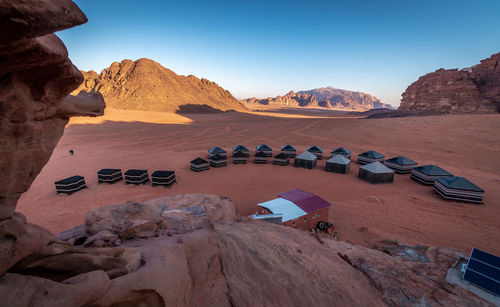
column 470, row 90
column 145, row 85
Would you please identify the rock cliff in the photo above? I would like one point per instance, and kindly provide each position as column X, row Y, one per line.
column 145, row 85
column 470, row 90
column 327, row 97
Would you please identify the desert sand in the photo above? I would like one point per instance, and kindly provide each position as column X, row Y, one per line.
column 406, row 211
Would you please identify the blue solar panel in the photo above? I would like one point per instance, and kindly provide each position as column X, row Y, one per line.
column 485, row 257
column 482, row 282
column 483, row 270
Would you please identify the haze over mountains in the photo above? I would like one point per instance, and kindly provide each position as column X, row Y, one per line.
column 146, row 85
column 326, row 97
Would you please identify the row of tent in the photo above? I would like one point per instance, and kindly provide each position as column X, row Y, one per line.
column 76, row 183
column 375, row 168
column 287, row 149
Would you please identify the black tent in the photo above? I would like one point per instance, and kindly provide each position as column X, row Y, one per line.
column 427, row 174
column 265, row 149
column 240, row 157
column 316, row 150
column 281, row 159
column 458, row 188
column 370, row 156
column 341, row 151
column 136, row 176
column 163, row 178
column 109, row 175
column 241, row 148
column 289, row 150
column 216, row 151
column 338, row 164
column 376, row 172
column 199, row 165
column 400, row 164
column 260, row 157
column 70, row 185
column 305, row 160
column 218, row 161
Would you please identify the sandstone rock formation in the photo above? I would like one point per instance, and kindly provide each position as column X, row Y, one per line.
column 470, row 90
column 327, row 97
column 147, row 86
column 210, row 256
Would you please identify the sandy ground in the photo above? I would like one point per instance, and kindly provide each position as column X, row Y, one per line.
column 362, row 213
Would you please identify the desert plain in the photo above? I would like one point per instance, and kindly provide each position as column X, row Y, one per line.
column 362, row 213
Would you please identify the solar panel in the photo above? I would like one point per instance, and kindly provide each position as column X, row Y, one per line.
column 483, row 270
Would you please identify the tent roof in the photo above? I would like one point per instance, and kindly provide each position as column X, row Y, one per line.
column 281, row 156
column 260, row 154
column 239, row 154
column 459, row 183
column 288, row 147
column 239, row 147
column 72, row 179
column 289, row 210
column 306, row 201
column 433, row 170
column 401, row 160
column 372, row 154
column 377, row 167
column 306, row 155
column 314, row 148
column 338, row 159
column 216, row 149
column 341, row 150
column 199, row 161
column 217, row 158
column 263, row 147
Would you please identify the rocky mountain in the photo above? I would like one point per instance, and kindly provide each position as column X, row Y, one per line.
column 148, row 86
column 469, row 90
column 326, row 97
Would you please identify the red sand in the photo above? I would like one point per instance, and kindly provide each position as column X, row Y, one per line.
column 409, row 212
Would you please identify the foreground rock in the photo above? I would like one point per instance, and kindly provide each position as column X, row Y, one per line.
column 145, row 85
column 470, row 90
column 326, row 97
column 210, row 257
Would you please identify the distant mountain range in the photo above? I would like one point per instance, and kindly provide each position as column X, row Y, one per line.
column 148, row 86
column 326, row 97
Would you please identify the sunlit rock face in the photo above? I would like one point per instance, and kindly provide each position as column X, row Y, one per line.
column 145, row 85
column 470, row 90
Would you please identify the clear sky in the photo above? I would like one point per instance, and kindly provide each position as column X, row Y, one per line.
column 266, row 48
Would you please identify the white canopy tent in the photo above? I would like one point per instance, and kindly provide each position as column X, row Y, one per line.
column 289, row 210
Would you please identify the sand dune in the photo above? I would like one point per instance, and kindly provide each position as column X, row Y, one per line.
column 362, row 213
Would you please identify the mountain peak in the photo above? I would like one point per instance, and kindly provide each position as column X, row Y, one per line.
column 146, row 85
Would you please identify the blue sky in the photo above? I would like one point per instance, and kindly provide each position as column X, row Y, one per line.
column 266, row 48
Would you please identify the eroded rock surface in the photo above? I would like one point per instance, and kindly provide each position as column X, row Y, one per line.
column 470, row 90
